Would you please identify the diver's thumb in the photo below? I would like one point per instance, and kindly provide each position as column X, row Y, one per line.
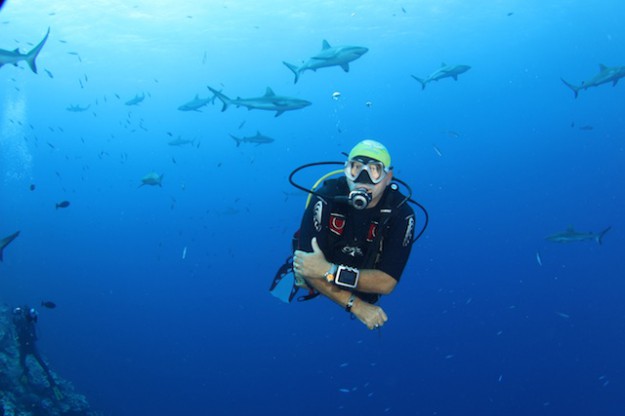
column 315, row 245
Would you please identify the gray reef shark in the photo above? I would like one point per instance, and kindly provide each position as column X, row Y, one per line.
column 606, row 75
column 258, row 139
column 6, row 241
column 153, row 179
column 77, row 108
column 179, row 141
column 572, row 236
column 197, row 103
column 136, row 100
column 445, row 71
column 13, row 57
column 270, row 102
column 329, row 56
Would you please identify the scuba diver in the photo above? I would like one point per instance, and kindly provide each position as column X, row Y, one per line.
column 355, row 237
column 24, row 320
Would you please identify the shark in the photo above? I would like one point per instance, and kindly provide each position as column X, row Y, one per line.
column 270, row 102
column 179, row 141
column 445, row 71
column 572, row 236
column 6, row 241
column 77, row 108
column 153, row 179
column 136, row 100
column 13, row 57
column 196, row 103
column 329, row 56
column 606, row 75
column 258, row 139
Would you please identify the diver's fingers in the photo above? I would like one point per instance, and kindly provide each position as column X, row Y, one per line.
column 383, row 315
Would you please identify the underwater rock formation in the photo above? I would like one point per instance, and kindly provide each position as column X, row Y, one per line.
column 32, row 395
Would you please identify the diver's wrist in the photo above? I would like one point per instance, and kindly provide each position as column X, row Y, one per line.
column 330, row 274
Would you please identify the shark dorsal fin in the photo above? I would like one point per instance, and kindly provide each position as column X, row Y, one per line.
column 269, row 92
column 443, row 64
column 602, row 67
column 325, row 45
column 570, row 229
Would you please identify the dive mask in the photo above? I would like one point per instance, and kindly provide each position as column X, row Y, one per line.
column 365, row 170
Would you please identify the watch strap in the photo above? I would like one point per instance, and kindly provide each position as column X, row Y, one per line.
column 330, row 275
column 350, row 303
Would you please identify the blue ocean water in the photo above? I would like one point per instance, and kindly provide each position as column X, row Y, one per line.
column 162, row 294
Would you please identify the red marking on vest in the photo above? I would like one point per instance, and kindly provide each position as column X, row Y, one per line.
column 337, row 223
column 373, row 230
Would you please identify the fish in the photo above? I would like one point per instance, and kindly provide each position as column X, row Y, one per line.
column 152, row 179
column 6, row 241
column 571, row 236
column 329, row 56
column 184, row 253
column 32, row 187
column 270, row 102
column 587, row 127
column 62, row 204
column 445, row 71
column 77, row 108
column 136, row 100
column 196, row 103
column 180, row 142
column 13, row 57
column 606, row 75
column 48, row 304
column 258, row 139
column 538, row 259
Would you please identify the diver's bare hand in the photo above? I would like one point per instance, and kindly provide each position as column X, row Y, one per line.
column 371, row 315
column 311, row 265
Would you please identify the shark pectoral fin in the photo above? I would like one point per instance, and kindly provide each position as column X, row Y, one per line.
column 279, row 112
column 345, row 67
column 455, row 77
column 615, row 82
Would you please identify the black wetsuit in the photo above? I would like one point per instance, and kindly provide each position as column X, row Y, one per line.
column 26, row 338
column 346, row 234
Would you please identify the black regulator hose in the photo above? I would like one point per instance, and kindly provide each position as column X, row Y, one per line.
column 407, row 198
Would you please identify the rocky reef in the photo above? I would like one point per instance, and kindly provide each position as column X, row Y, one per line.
column 32, row 395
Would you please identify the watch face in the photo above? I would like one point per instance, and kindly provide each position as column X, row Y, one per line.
column 347, row 277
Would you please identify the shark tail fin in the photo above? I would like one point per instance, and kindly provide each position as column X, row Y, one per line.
column 601, row 234
column 420, row 81
column 236, row 139
column 294, row 69
column 32, row 55
column 222, row 97
column 573, row 88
